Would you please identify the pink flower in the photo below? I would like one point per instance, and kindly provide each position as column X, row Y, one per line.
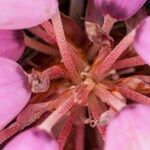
column 11, row 44
column 17, row 14
column 142, row 42
column 32, row 139
column 119, row 9
column 130, row 129
column 14, row 90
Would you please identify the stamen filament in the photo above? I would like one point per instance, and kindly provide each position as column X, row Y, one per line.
column 57, row 114
column 64, row 49
column 128, row 62
column 38, row 46
column 108, row 23
column 101, row 68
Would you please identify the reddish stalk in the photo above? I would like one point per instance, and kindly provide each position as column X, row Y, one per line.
column 66, row 129
column 101, row 68
column 41, row 33
column 96, row 112
column 80, row 133
column 77, row 57
column 108, row 98
column 29, row 115
column 7, row 133
column 50, row 30
column 57, row 114
column 99, row 139
column 143, row 78
column 64, row 48
column 133, row 95
column 103, row 53
column 60, row 99
column 108, row 23
column 82, row 92
column 36, row 45
column 75, row 54
column 54, row 72
column 128, row 62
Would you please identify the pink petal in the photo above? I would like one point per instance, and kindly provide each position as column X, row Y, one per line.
column 92, row 15
column 11, row 44
column 14, row 91
column 119, row 9
column 33, row 139
column 130, row 129
column 17, row 14
column 142, row 42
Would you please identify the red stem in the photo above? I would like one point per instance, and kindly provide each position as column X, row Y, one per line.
column 76, row 56
column 96, row 112
column 80, row 132
column 36, row 45
column 28, row 116
column 101, row 68
column 133, row 95
column 108, row 98
column 108, row 23
column 128, row 62
column 64, row 49
column 103, row 53
column 8, row 132
column 143, row 78
column 41, row 33
column 66, row 129
column 57, row 114
column 54, row 72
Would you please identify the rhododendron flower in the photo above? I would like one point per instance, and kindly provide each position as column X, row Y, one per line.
column 129, row 130
column 142, row 42
column 11, row 44
column 17, row 14
column 14, row 90
column 84, row 80
column 32, row 139
column 118, row 9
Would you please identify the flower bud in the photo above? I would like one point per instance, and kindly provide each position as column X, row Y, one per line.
column 32, row 139
column 119, row 9
column 17, row 14
column 11, row 44
column 142, row 43
column 130, row 129
column 14, row 90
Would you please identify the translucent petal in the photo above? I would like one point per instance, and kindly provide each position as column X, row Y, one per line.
column 130, row 129
column 142, row 42
column 11, row 44
column 14, row 90
column 32, row 139
column 17, row 14
column 119, row 9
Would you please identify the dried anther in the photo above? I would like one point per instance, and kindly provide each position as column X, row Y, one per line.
column 97, row 35
column 39, row 81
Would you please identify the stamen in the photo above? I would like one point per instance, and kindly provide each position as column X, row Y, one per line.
column 101, row 68
column 64, row 48
column 128, row 62
column 108, row 23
